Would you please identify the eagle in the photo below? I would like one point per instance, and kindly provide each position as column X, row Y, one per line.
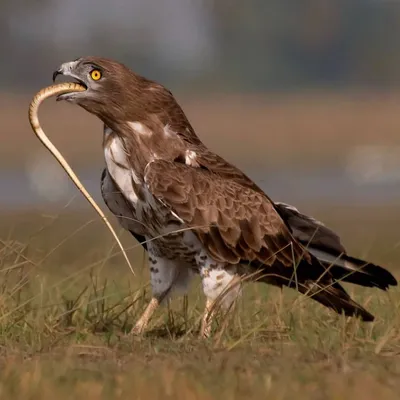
column 196, row 213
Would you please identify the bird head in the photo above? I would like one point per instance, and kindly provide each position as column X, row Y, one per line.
column 115, row 94
column 111, row 87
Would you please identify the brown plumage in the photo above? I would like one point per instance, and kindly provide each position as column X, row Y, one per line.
column 200, row 212
column 326, row 245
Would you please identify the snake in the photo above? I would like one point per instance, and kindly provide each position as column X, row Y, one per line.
column 38, row 99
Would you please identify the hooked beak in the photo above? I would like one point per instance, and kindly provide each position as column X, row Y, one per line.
column 56, row 73
column 66, row 70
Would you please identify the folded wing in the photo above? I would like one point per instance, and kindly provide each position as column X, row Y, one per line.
column 237, row 224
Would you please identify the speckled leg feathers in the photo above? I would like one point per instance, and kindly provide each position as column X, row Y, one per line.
column 166, row 277
column 219, row 285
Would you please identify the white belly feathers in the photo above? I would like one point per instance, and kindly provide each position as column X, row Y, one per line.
column 119, row 168
column 150, row 213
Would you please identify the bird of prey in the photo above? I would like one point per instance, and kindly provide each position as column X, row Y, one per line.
column 198, row 213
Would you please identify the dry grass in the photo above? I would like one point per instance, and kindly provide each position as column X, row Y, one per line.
column 66, row 305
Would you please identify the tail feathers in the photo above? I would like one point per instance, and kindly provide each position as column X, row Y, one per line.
column 321, row 287
column 354, row 270
column 336, row 298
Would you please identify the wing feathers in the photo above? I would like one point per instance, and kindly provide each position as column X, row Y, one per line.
column 238, row 222
column 251, row 232
column 325, row 244
column 336, row 298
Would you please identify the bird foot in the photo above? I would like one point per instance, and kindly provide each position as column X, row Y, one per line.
column 204, row 334
column 137, row 330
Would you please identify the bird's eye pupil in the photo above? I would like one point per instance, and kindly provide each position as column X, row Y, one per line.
column 95, row 74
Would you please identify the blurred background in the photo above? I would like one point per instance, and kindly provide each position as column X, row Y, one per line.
column 302, row 95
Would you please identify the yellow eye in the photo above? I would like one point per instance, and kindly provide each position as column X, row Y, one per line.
column 95, row 74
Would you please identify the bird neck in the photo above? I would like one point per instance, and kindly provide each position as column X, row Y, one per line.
column 144, row 142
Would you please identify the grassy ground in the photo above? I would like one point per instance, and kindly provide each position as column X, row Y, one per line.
column 66, row 305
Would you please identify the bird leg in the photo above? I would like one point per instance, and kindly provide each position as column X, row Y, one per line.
column 207, row 319
column 226, row 299
column 144, row 319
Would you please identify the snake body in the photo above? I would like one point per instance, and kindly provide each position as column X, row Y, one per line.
column 38, row 99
